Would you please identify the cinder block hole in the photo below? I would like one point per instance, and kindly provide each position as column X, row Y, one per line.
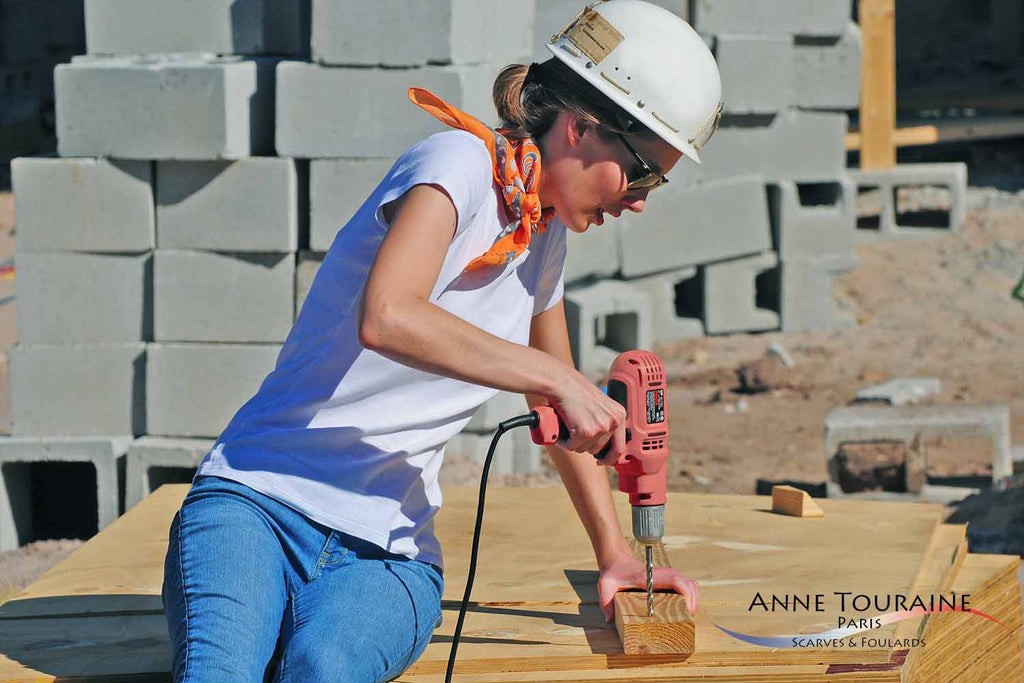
column 158, row 476
column 52, row 500
column 869, row 207
column 922, row 206
column 958, row 461
column 819, row 194
column 870, row 466
column 768, row 289
column 618, row 331
column 689, row 301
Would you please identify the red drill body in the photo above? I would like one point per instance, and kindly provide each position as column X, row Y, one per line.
column 637, row 382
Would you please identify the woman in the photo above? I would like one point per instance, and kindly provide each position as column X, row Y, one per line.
column 306, row 542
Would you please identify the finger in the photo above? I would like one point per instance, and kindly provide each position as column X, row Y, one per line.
column 606, row 591
column 690, row 590
column 609, row 458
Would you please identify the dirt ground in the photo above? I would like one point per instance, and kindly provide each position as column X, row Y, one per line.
column 938, row 307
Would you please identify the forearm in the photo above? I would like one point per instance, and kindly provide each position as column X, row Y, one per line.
column 590, row 492
column 429, row 338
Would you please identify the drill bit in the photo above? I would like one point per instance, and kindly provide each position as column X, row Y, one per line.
column 650, row 580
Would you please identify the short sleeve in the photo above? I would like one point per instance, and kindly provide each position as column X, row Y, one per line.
column 454, row 160
column 550, row 286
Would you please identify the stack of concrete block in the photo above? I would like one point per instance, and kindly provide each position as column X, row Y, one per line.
column 750, row 239
column 208, row 154
column 156, row 254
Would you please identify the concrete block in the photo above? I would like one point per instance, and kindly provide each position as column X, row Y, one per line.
column 17, row 454
column 165, row 107
column 306, row 266
column 798, row 17
column 69, row 297
column 515, row 454
column 901, row 390
column 805, row 292
column 195, row 389
column 257, row 204
column 804, row 146
column 106, row 205
column 605, row 319
column 756, row 70
column 813, row 219
column 594, row 254
column 898, row 221
column 733, row 301
column 210, row 296
column 318, row 116
column 77, row 389
column 503, row 406
column 677, row 301
column 827, row 70
column 153, row 461
column 238, row 27
column 337, row 188
column 400, row 33
column 689, row 225
column 917, row 425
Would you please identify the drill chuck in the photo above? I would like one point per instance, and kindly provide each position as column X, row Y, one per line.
column 648, row 523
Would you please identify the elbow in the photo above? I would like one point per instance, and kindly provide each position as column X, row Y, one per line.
column 376, row 326
column 370, row 335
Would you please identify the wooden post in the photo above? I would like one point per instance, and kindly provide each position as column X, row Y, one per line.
column 878, row 84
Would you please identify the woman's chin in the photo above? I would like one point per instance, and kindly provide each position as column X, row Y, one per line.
column 581, row 224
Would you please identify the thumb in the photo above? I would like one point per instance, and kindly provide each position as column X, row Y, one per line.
column 606, row 598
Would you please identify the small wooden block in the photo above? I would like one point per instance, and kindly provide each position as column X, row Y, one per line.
column 669, row 631
column 788, row 500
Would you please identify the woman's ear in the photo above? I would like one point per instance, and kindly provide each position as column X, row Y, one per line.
column 576, row 127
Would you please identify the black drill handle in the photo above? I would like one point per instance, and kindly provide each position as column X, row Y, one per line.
column 617, row 391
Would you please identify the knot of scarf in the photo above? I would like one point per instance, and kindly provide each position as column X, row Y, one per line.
column 516, row 170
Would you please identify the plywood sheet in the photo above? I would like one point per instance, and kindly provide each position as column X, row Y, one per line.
column 535, row 615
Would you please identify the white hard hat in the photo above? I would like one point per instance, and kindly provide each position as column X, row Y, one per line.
column 649, row 62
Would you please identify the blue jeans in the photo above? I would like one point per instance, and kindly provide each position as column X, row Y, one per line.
column 253, row 591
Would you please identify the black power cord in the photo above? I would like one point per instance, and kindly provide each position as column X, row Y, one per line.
column 528, row 420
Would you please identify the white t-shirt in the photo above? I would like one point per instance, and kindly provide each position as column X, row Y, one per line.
column 352, row 439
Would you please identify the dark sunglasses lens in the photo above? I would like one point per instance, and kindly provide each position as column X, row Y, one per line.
column 648, row 181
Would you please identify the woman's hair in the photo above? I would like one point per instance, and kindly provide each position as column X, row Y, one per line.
column 530, row 109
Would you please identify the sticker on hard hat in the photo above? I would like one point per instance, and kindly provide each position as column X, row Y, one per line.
column 594, row 36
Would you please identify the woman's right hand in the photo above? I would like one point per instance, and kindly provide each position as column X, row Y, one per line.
column 592, row 418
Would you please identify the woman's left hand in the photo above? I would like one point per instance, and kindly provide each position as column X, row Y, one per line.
column 625, row 571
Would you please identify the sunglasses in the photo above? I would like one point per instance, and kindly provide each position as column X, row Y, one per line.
column 644, row 177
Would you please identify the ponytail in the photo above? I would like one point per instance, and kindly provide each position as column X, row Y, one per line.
column 529, row 99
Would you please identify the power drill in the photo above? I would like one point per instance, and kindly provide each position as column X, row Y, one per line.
column 637, row 382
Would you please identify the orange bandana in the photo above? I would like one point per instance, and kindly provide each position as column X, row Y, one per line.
column 516, row 170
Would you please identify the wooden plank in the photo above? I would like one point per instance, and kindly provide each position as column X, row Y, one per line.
column 806, row 673
column 959, row 130
column 118, row 570
column 789, row 500
column 967, row 644
column 669, row 631
column 878, row 83
column 942, row 562
column 538, row 609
